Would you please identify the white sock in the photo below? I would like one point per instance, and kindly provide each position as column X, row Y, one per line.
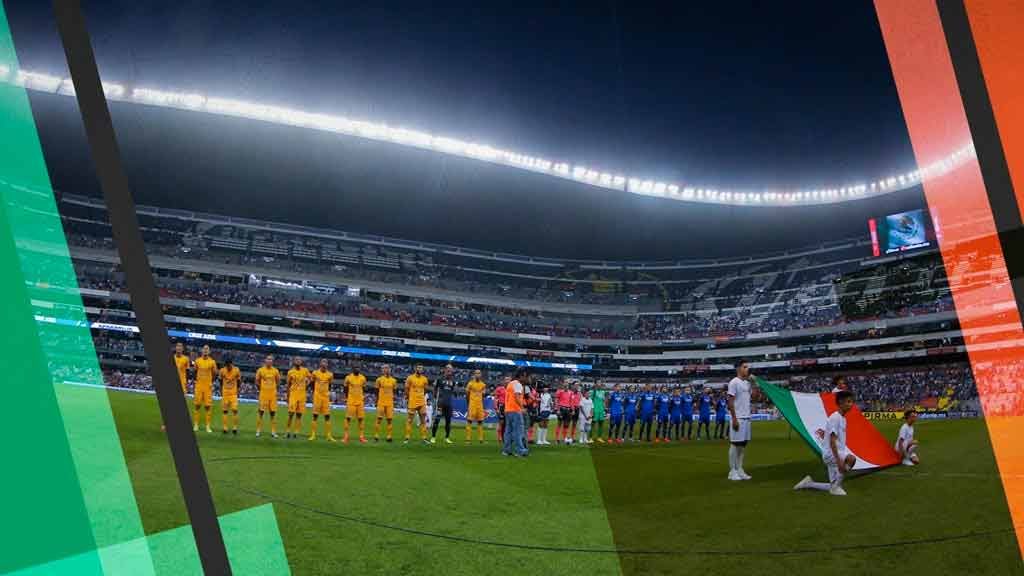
column 823, row 486
column 732, row 457
column 838, row 483
column 543, row 435
column 740, row 450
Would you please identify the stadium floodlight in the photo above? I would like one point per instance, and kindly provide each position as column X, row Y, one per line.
column 421, row 139
column 37, row 81
column 67, row 87
column 169, row 99
column 411, row 137
column 112, row 90
column 449, row 145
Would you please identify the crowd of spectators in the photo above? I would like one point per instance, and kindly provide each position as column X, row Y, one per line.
column 943, row 387
column 899, row 388
column 784, row 315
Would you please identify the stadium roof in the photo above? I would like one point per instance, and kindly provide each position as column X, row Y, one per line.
column 558, row 168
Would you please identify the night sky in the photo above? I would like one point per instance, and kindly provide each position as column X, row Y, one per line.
column 737, row 95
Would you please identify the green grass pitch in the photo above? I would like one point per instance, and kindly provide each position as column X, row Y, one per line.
column 634, row 509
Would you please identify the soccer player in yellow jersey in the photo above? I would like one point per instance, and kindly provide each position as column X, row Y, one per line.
column 416, row 402
column 322, row 379
column 385, row 385
column 354, row 384
column 230, row 377
column 181, row 364
column 475, row 412
column 206, row 369
column 298, row 381
column 267, row 379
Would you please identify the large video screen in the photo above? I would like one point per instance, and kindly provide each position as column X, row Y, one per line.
column 900, row 232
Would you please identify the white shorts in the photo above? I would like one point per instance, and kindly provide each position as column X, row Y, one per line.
column 741, row 435
column 833, row 466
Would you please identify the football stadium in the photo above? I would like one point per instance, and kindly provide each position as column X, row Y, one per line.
column 427, row 353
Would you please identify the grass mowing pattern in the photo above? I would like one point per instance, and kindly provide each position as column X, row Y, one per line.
column 465, row 491
column 660, row 498
column 677, row 497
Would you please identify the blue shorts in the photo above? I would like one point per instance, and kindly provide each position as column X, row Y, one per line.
column 616, row 418
column 705, row 418
column 676, row 419
column 662, row 417
column 687, row 417
column 647, row 417
column 545, row 415
column 630, row 419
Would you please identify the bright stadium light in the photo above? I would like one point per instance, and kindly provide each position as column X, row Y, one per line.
column 37, row 81
column 168, row 99
column 592, row 176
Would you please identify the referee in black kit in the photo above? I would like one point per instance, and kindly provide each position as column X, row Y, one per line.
column 445, row 390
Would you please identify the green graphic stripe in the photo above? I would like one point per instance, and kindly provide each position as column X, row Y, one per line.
column 257, row 550
column 77, row 495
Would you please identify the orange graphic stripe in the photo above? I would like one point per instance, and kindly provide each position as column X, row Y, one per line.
column 959, row 203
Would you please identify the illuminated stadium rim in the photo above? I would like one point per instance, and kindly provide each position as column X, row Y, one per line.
column 316, row 348
column 41, row 82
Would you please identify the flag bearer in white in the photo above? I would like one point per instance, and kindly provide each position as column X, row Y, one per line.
column 739, row 411
column 906, row 446
column 837, row 458
column 586, row 418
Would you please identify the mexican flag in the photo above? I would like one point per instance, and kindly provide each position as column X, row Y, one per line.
column 808, row 413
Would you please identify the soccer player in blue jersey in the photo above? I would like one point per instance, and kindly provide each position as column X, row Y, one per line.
column 663, row 402
column 721, row 409
column 687, row 429
column 616, row 399
column 630, row 413
column 676, row 412
column 704, row 412
column 647, row 400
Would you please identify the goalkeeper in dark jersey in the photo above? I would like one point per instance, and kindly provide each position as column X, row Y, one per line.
column 445, row 391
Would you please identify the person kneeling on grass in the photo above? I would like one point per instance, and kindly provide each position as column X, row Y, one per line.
column 906, row 446
column 835, row 455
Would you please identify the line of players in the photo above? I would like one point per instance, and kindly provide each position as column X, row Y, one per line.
column 300, row 379
column 634, row 413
